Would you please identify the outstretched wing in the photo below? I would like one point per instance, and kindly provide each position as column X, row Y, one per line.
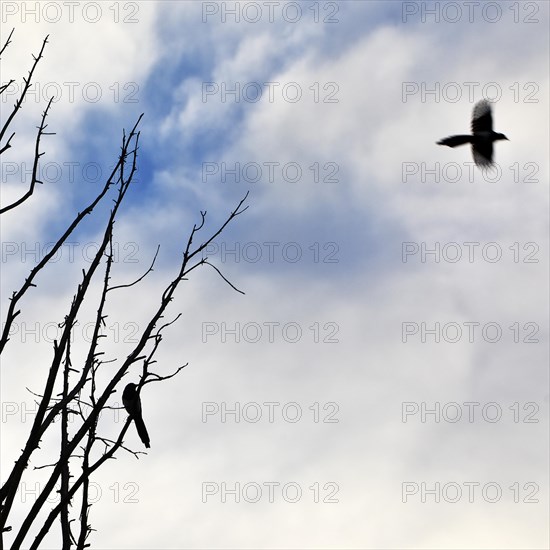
column 483, row 153
column 482, row 119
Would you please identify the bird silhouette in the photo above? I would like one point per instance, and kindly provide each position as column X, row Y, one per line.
column 132, row 403
column 482, row 135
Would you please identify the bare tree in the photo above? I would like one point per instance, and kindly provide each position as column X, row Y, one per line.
column 71, row 390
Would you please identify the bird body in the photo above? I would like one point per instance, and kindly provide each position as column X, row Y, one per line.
column 482, row 136
column 132, row 403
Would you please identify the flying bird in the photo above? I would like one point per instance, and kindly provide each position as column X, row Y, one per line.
column 132, row 403
column 482, row 135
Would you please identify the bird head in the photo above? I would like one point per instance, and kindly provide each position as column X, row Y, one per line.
column 501, row 136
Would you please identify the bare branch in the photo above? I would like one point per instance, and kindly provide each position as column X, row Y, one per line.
column 221, row 275
column 233, row 214
column 12, row 312
column 27, row 81
column 141, row 278
column 41, row 421
column 37, row 155
column 7, row 43
column 157, row 378
column 66, row 385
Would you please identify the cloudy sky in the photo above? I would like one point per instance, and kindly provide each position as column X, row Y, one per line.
column 383, row 381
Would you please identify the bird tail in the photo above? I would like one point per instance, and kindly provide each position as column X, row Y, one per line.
column 454, row 141
column 142, row 431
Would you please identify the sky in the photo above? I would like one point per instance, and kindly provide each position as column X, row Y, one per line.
column 382, row 383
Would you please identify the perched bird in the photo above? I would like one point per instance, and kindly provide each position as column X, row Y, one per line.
column 482, row 138
column 132, row 403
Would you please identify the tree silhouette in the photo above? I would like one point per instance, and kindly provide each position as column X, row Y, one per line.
column 73, row 395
